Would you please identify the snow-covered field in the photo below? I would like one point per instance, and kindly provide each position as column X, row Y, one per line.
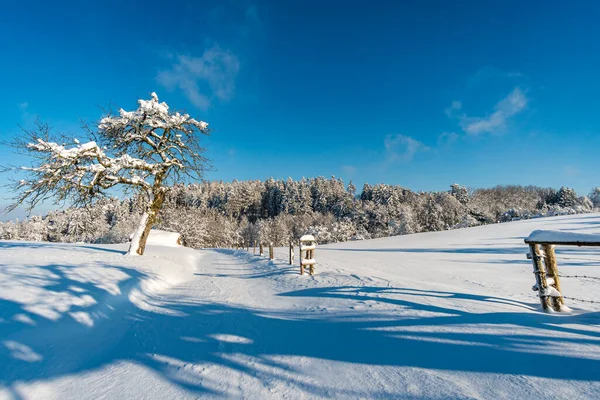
column 427, row 316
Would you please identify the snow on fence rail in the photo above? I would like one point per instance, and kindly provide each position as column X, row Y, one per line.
column 541, row 246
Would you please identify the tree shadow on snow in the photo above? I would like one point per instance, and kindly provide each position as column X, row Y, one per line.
column 59, row 246
column 187, row 336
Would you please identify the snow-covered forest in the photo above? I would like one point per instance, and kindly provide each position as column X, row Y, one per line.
column 227, row 214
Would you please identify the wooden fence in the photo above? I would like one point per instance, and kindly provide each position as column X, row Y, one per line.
column 545, row 267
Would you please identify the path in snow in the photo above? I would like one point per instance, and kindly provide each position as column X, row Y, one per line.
column 439, row 315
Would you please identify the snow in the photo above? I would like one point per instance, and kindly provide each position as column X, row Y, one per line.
column 428, row 316
column 152, row 112
column 164, row 238
column 137, row 235
column 546, row 236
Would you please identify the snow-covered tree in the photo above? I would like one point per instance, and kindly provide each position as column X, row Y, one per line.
column 566, row 197
column 351, row 189
column 595, row 197
column 460, row 193
column 144, row 151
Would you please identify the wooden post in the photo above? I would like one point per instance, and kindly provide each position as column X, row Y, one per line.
column 254, row 244
column 291, row 252
column 260, row 251
column 300, row 257
column 270, row 251
column 312, row 266
column 552, row 268
column 540, row 275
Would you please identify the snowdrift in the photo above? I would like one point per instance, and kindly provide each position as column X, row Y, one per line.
column 159, row 237
column 163, row 238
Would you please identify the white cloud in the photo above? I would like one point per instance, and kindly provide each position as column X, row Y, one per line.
column 489, row 73
column 27, row 118
column 453, row 109
column 570, row 171
column 447, row 138
column 506, row 108
column 203, row 78
column 349, row 169
column 402, row 148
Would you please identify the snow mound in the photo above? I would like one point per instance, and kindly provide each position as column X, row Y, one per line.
column 159, row 237
column 164, row 238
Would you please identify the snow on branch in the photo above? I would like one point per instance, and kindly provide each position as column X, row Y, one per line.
column 146, row 150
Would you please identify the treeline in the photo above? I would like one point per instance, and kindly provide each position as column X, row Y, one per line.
column 224, row 214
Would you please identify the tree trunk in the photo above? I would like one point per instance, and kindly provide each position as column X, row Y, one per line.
column 140, row 237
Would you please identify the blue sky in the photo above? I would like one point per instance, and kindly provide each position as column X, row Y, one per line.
column 421, row 94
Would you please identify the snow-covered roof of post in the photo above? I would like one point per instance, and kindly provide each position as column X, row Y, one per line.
column 307, row 238
column 564, row 238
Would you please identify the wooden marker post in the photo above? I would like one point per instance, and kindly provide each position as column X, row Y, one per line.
column 307, row 252
column 291, row 252
column 260, row 251
column 271, row 255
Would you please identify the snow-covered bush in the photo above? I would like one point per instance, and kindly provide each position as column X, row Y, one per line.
column 35, row 229
column 595, row 197
column 10, row 231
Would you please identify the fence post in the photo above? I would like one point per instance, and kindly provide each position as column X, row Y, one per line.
column 291, row 252
column 552, row 269
column 300, row 257
column 270, row 250
column 540, row 275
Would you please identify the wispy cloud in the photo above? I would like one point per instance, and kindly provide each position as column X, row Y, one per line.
column 506, row 108
column 348, row 169
column 570, row 171
column 489, row 74
column 27, row 118
column 203, row 78
column 453, row 109
column 402, row 148
column 447, row 138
